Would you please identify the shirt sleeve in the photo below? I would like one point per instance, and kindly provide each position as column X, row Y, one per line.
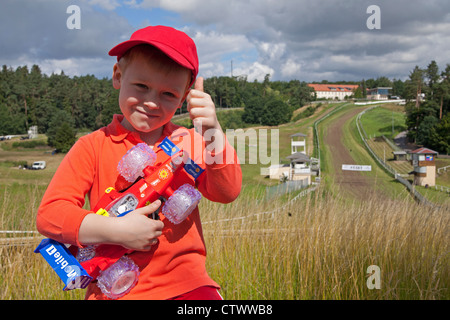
column 61, row 210
column 222, row 180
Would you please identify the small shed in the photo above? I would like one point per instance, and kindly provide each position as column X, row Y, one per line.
column 423, row 161
column 400, row 155
column 300, row 167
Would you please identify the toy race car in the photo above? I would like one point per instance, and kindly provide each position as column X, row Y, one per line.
column 116, row 274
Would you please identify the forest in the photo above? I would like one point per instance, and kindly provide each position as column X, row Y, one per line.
column 61, row 105
column 428, row 118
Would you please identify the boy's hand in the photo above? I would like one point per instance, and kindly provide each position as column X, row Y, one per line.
column 139, row 232
column 202, row 112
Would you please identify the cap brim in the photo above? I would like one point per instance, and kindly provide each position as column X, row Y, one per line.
column 123, row 47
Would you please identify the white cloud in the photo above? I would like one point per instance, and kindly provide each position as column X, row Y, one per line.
column 100, row 67
column 105, row 4
column 290, row 69
column 271, row 51
column 213, row 45
column 255, row 71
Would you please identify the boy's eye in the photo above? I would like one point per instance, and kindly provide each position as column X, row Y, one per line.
column 141, row 86
column 169, row 94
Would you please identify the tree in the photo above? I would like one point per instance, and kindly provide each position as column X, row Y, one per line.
column 398, row 88
column 425, row 128
column 439, row 137
column 443, row 90
column 414, row 85
column 432, row 74
column 254, row 109
column 65, row 137
column 276, row 112
column 59, row 118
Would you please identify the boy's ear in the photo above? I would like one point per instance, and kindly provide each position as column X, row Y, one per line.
column 117, row 76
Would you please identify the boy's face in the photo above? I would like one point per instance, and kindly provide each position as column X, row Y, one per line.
column 149, row 96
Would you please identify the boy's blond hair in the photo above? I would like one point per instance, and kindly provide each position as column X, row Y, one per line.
column 154, row 56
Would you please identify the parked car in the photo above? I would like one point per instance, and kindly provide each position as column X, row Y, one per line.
column 38, row 165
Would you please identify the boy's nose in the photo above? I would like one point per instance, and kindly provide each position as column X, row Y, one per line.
column 151, row 105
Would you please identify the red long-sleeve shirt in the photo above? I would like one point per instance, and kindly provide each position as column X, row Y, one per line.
column 177, row 264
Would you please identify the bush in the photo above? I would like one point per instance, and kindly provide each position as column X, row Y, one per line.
column 65, row 138
column 276, row 112
column 29, row 144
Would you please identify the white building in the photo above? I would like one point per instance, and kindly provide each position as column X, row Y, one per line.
column 379, row 93
column 298, row 145
column 299, row 168
column 333, row 91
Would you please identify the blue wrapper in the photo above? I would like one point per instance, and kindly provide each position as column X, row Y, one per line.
column 193, row 169
column 169, row 147
column 64, row 264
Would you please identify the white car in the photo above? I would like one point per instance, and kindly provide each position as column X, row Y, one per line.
column 38, row 165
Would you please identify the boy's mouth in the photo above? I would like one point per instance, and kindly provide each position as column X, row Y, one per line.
column 147, row 114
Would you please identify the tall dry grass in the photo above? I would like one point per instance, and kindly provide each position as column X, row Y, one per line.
column 319, row 247
column 315, row 247
column 24, row 274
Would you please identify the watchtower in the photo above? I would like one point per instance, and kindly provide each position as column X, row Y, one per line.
column 424, row 166
column 298, row 145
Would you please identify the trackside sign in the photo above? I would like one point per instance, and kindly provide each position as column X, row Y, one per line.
column 355, row 167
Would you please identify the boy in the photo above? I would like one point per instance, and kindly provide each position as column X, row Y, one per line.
column 154, row 73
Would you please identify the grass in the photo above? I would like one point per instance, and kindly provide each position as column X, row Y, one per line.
column 314, row 247
column 387, row 120
column 384, row 151
column 320, row 247
column 24, row 274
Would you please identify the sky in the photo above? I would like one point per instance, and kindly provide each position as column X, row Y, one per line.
column 306, row 40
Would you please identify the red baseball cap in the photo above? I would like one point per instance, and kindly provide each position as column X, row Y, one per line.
column 176, row 44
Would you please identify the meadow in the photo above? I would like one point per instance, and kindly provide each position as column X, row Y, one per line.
column 312, row 246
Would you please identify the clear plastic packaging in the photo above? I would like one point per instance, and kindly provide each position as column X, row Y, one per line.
column 119, row 278
column 85, row 253
column 126, row 203
column 181, row 204
column 135, row 160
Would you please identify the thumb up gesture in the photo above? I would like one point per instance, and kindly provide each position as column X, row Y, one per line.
column 202, row 112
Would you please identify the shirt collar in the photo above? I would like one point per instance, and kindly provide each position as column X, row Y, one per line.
column 118, row 132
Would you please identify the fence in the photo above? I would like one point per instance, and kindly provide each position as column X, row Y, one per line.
column 288, row 186
column 384, row 165
column 439, row 170
column 271, row 213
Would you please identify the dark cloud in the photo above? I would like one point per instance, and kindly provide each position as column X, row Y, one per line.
column 36, row 32
column 291, row 39
column 324, row 37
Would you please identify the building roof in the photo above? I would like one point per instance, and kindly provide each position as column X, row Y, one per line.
column 377, row 89
column 299, row 156
column 333, row 87
column 298, row 135
column 424, row 151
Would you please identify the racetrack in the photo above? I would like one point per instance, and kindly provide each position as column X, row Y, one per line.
column 353, row 183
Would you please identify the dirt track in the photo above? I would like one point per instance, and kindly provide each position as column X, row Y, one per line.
column 351, row 182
